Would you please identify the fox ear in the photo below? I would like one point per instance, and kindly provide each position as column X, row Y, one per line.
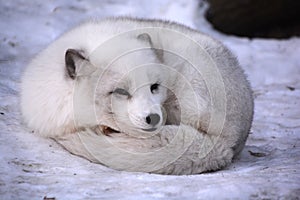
column 73, row 60
column 147, row 38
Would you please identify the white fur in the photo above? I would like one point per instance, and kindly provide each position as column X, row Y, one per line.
column 47, row 93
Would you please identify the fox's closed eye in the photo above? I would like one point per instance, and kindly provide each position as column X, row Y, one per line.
column 154, row 87
column 121, row 91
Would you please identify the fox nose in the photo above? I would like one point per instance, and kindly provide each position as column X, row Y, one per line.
column 153, row 119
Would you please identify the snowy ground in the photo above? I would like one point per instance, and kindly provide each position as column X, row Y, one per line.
column 33, row 167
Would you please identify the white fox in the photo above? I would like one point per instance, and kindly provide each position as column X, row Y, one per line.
column 140, row 83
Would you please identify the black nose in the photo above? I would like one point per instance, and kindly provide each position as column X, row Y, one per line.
column 153, row 119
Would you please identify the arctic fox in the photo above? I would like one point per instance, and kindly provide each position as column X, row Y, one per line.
column 138, row 77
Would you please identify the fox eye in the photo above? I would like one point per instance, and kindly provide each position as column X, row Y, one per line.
column 154, row 87
column 121, row 91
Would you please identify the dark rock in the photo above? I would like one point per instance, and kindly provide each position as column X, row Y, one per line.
column 256, row 18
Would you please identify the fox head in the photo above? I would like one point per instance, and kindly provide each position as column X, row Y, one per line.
column 121, row 86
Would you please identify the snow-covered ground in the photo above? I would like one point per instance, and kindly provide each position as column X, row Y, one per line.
column 33, row 167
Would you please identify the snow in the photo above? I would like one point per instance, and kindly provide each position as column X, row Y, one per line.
column 34, row 167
